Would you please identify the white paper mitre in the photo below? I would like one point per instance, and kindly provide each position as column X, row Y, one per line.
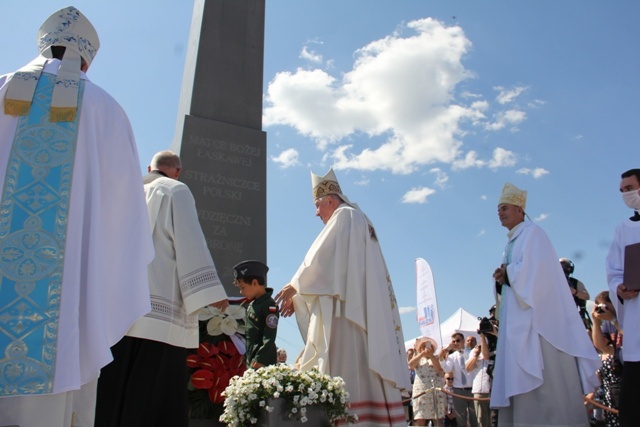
column 67, row 27
column 512, row 195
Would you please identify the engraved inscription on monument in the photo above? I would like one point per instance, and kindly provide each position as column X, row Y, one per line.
column 226, row 173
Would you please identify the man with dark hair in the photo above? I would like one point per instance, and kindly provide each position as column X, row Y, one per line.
column 545, row 362
column 453, row 359
column 627, row 303
column 74, row 232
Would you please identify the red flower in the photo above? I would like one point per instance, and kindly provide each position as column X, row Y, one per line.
column 215, row 395
column 227, row 348
column 237, row 363
column 207, row 349
column 202, row 379
column 219, row 384
column 193, row 361
column 207, row 363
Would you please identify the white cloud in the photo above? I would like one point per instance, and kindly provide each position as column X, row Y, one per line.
column 363, row 182
column 482, row 233
column 468, row 161
column 536, row 103
column 536, row 172
column 441, row 177
column 541, row 217
column 417, row 195
column 406, row 310
column 396, row 109
column 484, row 197
column 310, row 55
column 287, row 158
column 503, row 119
column 501, row 158
column 507, row 96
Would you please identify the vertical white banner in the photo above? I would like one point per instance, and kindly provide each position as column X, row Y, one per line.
column 427, row 312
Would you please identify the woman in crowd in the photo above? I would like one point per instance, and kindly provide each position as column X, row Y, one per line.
column 610, row 372
column 429, row 403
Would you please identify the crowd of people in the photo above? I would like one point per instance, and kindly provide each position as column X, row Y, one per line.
column 97, row 299
column 441, row 394
column 535, row 364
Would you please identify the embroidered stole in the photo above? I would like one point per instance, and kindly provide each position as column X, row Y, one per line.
column 34, row 211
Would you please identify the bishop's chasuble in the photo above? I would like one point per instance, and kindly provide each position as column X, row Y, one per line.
column 348, row 316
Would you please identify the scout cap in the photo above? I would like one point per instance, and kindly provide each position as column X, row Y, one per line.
column 250, row 268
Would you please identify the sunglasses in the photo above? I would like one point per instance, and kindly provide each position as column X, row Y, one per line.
column 449, row 379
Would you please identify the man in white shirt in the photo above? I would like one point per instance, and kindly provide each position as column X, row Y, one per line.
column 454, row 359
column 479, row 362
column 627, row 303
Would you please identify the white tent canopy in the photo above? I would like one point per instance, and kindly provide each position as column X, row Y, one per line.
column 460, row 321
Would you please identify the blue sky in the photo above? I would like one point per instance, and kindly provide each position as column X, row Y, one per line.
column 424, row 108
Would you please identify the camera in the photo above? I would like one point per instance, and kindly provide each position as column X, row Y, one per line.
column 600, row 308
column 485, row 326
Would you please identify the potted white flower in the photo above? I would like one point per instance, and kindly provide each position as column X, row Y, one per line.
column 280, row 395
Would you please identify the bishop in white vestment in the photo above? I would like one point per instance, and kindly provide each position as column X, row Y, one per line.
column 74, row 230
column 545, row 361
column 347, row 312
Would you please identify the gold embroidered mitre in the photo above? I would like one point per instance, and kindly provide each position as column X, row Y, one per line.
column 512, row 195
column 323, row 185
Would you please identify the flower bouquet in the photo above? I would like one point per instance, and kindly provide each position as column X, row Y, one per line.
column 248, row 397
column 219, row 357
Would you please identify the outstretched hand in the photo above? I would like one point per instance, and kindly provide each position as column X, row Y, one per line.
column 284, row 299
column 286, row 308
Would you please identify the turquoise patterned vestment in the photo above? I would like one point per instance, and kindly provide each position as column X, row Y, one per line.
column 33, row 225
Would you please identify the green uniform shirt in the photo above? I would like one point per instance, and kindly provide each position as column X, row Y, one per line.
column 261, row 329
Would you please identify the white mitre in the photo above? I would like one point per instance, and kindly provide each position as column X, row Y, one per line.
column 512, row 195
column 67, row 27
column 328, row 184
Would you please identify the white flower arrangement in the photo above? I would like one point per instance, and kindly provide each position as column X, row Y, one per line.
column 247, row 396
column 223, row 323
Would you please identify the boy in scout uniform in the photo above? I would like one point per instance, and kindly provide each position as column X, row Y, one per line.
column 262, row 313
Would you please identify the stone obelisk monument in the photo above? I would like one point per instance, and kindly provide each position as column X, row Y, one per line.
column 219, row 133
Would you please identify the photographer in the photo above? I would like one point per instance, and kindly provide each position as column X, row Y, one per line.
column 578, row 291
column 481, row 360
column 610, row 372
